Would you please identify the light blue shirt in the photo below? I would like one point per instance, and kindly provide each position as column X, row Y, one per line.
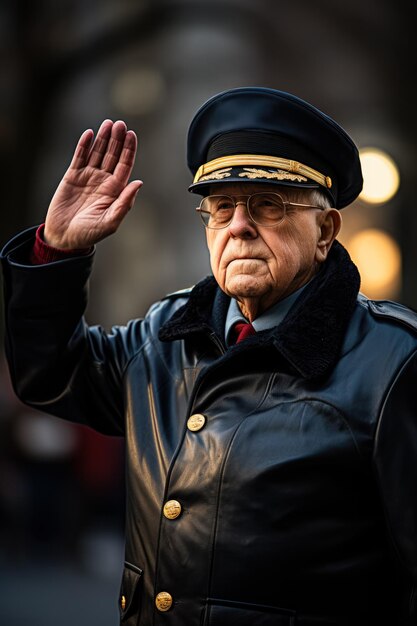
column 269, row 318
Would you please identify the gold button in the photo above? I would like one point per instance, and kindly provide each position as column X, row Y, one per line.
column 123, row 602
column 196, row 422
column 172, row 509
column 163, row 601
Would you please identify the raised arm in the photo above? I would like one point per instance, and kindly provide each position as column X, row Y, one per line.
column 95, row 194
column 57, row 363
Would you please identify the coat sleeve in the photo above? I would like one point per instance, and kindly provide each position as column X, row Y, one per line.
column 57, row 363
column 395, row 464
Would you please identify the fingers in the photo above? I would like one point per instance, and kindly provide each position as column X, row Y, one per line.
column 82, row 150
column 101, row 143
column 85, row 154
column 114, row 147
column 113, row 150
column 126, row 160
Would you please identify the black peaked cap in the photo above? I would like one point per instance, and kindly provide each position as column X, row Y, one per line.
column 296, row 144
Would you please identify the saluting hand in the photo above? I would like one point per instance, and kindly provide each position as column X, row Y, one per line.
column 94, row 196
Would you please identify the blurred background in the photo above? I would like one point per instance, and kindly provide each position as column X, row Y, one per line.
column 67, row 65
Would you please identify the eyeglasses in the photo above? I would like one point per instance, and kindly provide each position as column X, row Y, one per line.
column 264, row 209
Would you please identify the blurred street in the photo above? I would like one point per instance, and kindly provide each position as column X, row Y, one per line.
column 61, row 519
column 31, row 594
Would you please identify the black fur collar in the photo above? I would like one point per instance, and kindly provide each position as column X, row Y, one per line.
column 311, row 335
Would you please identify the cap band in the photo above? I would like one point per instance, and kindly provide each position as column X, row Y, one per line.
column 288, row 165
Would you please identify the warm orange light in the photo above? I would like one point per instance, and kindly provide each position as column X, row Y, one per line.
column 378, row 258
column 380, row 176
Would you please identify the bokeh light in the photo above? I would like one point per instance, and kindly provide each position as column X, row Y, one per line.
column 381, row 178
column 378, row 258
column 138, row 91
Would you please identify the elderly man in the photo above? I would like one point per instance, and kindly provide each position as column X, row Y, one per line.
column 271, row 471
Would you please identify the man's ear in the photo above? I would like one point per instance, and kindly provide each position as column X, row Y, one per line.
column 330, row 222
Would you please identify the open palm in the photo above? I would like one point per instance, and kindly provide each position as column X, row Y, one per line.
column 94, row 195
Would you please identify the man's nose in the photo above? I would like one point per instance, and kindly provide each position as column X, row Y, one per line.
column 241, row 224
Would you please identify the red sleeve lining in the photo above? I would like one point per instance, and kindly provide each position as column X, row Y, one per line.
column 43, row 253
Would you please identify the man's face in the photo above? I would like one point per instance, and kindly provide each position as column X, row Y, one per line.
column 260, row 265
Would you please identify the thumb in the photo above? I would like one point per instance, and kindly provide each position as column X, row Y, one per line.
column 125, row 201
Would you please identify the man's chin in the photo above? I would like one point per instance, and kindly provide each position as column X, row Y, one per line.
column 244, row 287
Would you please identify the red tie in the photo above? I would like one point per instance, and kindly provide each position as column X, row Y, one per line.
column 243, row 330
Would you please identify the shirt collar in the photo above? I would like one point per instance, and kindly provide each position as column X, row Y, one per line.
column 269, row 318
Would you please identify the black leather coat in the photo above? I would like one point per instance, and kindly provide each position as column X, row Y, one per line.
column 296, row 492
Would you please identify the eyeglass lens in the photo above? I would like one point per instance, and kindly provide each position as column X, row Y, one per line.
column 265, row 209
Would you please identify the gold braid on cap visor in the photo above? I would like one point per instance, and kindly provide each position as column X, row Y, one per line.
column 236, row 160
